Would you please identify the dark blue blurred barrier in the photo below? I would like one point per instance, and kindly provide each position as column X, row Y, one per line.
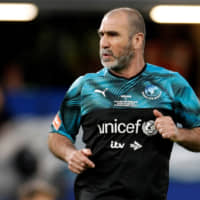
column 43, row 101
column 183, row 191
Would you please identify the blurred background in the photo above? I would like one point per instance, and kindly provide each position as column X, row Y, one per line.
column 43, row 55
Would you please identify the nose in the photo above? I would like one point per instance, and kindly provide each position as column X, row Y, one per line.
column 104, row 42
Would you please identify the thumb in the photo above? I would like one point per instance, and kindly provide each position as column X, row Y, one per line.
column 157, row 113
column 86, row 152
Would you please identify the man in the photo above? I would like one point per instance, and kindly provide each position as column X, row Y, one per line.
column 128, row 112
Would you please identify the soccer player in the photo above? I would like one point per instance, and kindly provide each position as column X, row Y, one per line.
column 131, row 112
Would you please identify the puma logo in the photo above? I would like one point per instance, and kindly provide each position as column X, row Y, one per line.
column 103, row 92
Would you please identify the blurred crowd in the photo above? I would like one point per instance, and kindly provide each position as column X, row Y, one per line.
column 175, row 49
column 60, row 54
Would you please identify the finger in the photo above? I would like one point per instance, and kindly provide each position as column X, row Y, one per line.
column 86, row 152
column 89, row 163
column 161, row 131
column 76, row 167
column 83, row 165
column 165, row 135
column 74, row 170
column 157, row 113
column 157, row 124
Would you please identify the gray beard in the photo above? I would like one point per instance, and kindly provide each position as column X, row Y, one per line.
column 122, row 62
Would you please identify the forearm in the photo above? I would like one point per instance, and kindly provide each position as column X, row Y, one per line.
column 189, row 138
column 78, row 160
column 60, row 146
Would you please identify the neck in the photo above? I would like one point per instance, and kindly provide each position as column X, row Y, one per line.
column 134, row 68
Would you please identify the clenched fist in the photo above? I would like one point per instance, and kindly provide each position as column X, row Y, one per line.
column 166, row 126
column 79, row 161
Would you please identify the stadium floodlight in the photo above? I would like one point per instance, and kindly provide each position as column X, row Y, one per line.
column 176, row 14
column 18, row 11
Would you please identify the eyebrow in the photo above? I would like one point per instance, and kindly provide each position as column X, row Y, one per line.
column 111, row 32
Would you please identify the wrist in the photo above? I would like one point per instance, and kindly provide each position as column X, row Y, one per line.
column 69, row 151
column 180, row 135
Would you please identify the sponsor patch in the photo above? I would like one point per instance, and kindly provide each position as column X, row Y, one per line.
column 57, row 122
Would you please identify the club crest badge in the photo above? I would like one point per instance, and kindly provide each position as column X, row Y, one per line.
column 152, row 92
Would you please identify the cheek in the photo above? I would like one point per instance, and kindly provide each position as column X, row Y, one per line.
column 121, row 51
column 119, row 47
column 118, row 50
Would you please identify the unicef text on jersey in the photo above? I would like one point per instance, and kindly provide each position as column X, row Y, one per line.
column 116, row 127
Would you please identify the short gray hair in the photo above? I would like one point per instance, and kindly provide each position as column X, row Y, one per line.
column 135, row 19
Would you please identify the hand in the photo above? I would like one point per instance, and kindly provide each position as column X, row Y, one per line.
column 166, row 126
column 79, row 161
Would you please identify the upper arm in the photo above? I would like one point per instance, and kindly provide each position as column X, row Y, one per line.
column 186, row 105
column 68, row 117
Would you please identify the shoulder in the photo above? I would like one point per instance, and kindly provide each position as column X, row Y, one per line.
column 151, row 68
column 167, row 78
column 164, row 73
column 97, row 74
column 80, row 80
column 78, row 84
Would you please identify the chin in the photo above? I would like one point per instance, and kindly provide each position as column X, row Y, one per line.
column 110, row 65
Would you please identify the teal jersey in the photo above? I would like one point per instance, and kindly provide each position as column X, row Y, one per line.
column 116, row 114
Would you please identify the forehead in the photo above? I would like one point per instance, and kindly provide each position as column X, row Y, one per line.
column 114, row 21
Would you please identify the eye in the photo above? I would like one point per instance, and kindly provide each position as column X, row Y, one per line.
column 113, row 33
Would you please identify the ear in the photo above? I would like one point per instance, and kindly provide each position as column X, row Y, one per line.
column 138, row 40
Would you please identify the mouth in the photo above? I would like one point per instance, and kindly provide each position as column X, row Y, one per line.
column 106, row 55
